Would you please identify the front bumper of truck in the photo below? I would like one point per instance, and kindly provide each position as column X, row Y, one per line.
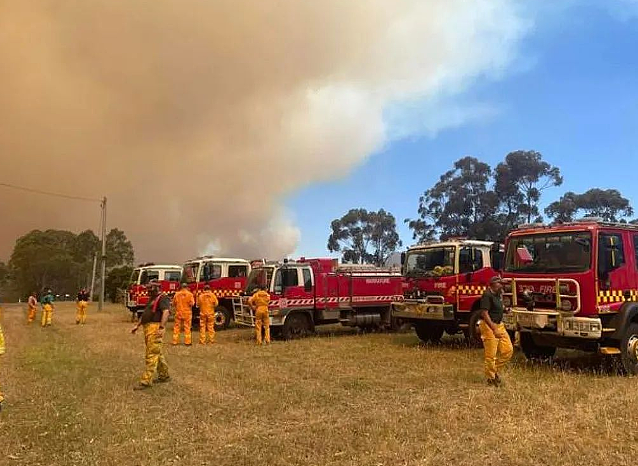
column 429, row 308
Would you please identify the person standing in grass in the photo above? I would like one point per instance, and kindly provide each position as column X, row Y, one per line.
column 207, row 302
column 82, row 304
column 32, row 303
column 496, row 342
column 259, row 302
column 183, row 302
column 47, row 308
column 154, row 319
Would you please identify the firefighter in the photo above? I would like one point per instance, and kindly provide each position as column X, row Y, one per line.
column 183, row 302
column 496, row 342
column 47, row 308
column 154, row 320
column 82, row 306
column 207, row 302
column 259, row 302
column 32, row 303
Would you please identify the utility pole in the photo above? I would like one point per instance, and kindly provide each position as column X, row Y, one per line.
column 103, row 275
column 93, row 276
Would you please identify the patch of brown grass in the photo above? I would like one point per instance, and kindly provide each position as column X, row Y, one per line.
column 337, row 399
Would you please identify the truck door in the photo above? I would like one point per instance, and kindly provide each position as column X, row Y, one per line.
column 471, row 277
column 613, row 271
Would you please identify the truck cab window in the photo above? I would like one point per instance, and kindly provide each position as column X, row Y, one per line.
column 172, row 276
column 148, row 276
column 211, row 271
column 237, row 271
column 611, row 254
column 307, row 280
column 284, row 278
column 470, row 260
column 636, row 249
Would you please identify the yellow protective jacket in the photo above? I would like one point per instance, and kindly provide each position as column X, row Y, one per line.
column 260, row 300
column 183, row 301
column 207, row 302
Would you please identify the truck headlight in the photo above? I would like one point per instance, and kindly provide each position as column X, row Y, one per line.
column 507, row 301
column 566, row 305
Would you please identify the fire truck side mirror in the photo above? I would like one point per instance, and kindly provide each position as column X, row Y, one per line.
column 403, row 258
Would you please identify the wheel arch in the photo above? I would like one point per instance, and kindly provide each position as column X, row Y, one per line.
column 628, row 314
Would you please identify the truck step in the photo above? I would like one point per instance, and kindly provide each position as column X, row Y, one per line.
column 608, row 350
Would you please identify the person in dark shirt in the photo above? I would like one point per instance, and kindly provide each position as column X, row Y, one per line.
column 82, row 305
column 154, row 319
column 496, row 342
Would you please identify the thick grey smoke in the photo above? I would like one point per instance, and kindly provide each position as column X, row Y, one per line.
column 197, row 117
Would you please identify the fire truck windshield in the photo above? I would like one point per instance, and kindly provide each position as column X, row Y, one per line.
column 549, row 253
column 430, row 262
column 189, row 274
column 259, row 277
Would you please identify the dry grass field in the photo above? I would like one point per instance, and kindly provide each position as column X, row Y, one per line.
column 336, row 399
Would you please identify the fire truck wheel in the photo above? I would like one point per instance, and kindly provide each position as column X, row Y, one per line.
column 534, row 351
column 222, row 318
column 428, row 332
column 473, row 333
column 296, row 326
column 629, row 349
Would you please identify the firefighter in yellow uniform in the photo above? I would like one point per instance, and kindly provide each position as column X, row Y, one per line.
column 2, row 349
column 207, row 302
column 154, row 320
column 32, row 303
column 47, row 308
column 183, row 302
column 496, row 342
column 82, row 304
column 259, row 302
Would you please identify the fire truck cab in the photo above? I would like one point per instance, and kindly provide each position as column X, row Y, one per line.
column 443, row 285
column 226, row 278
column 574, row 285
column 311, row 292
column 137, row 294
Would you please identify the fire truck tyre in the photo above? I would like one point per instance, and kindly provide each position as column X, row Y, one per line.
column 473, row 333
column 296, row 326
column 428, row 332
column 222, row 318
column 629, row 349
column 534, row 351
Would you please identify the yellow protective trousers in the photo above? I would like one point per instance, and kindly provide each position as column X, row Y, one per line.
column 207, row 328
column 47, row 314
column 183, row 319
column 262, row 320
column 498, row 351
column 155, row 361
column 80, row 317
column 31, row 314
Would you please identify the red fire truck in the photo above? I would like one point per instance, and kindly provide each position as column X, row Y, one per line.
column 443, row 286
column 137, row 294
column 226, row 278
column 574, row 285
column 311, row 292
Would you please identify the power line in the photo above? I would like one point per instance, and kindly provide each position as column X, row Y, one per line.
column 48, row 193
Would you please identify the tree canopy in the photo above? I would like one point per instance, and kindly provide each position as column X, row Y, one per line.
column 62, row 260
column 364, row 237
column 608, row 204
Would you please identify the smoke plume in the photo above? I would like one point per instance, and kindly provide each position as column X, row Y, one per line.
column 197, row 118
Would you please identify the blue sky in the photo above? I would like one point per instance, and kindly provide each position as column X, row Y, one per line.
column 571, row 95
